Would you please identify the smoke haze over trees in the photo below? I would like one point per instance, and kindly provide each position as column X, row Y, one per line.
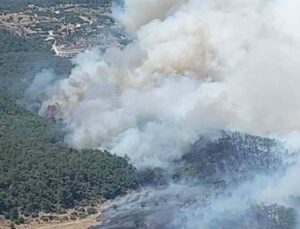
column 204, row 102
column 37, row 170
column 194, row 68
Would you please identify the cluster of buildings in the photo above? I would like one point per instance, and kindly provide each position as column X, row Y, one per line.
column 69, row 28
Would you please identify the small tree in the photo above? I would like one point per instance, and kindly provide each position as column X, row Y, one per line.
column 92, row 211
column 13, row 214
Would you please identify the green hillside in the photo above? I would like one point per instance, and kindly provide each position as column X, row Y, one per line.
column 37, row 171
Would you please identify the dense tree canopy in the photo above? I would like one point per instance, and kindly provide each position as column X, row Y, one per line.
column 21, row 58
column 37, row 171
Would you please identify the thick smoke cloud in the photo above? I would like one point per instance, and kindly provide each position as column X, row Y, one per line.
column 141, row 12
column 193, row 67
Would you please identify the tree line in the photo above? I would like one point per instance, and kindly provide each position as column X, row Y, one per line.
column 38, row 173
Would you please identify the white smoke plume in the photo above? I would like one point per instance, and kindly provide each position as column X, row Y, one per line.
column 141, row 12
column 194, row 66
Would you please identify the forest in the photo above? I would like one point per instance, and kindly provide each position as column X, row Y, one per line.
column 38, row 172
column 21, row 58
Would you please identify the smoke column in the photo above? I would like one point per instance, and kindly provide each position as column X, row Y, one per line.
column 193, row 67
